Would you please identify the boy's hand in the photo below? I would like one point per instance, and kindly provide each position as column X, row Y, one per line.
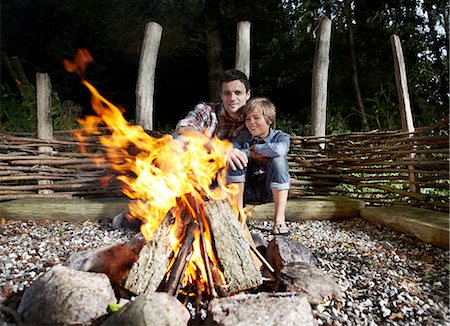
column 237, row 159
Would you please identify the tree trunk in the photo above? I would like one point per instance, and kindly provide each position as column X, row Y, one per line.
column 355, row 78
column 213, row 47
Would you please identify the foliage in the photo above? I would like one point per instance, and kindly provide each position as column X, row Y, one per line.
column 44, row 32
column 19, row 114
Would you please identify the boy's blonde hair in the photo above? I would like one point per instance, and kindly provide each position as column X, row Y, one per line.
column 264, row 106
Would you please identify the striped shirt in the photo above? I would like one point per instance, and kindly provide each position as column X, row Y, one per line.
column 212, row 120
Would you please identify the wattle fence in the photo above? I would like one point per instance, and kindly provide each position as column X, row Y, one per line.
column 381, row 168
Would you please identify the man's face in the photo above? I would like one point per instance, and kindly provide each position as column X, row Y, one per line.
column 234, row 96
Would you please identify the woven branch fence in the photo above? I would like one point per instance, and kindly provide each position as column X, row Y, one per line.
column 382, row 168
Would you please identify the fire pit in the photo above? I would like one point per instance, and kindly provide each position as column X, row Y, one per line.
column 181, row 180
column 195, row 245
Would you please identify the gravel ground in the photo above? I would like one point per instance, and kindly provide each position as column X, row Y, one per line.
column 387, row 278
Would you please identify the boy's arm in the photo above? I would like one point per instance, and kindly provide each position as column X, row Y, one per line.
column 278, row 147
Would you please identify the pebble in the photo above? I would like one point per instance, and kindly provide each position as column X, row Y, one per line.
column 387, row 278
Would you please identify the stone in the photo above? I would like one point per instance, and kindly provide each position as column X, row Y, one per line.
column 114, row 260
column 282, row 251
column 66, row 296
column 308, row 279
column 262, row 309
column 156, row 308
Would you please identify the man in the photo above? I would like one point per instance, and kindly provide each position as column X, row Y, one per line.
column 223, row 119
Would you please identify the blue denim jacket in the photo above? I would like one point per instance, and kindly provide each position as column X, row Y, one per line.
column 276, row 144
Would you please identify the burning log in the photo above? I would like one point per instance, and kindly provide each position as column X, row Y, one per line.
column 179, row 267
column 149, row 270
column 233, row 251
column 232, row 247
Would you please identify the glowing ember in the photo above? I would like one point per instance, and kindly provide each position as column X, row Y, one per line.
column 165, row 173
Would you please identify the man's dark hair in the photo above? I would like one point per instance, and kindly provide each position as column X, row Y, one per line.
column 234, row 74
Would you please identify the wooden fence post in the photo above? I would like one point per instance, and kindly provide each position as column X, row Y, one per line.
column 145, row 87
column 320, row 79
column 44, row 119
column 243, row 47
column 404, row 102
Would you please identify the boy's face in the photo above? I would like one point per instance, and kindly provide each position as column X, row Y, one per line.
column 234, row 96
column 257, row 124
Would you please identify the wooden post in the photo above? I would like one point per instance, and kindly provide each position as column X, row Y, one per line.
column 320, row 78
column 44, row 119
column 146, row 75
column 404, row 102
column 243, row 47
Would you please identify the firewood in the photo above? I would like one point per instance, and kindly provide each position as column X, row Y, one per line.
column 232, row 247
column 149, row 270
column 179, row 267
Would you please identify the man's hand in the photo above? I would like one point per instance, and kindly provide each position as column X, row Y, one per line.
column 237, row 159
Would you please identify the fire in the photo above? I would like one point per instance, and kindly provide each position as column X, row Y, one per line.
column 162, row 175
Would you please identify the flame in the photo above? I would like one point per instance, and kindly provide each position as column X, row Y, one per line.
column 159, row 173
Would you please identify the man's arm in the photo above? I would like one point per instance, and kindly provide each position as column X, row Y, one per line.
column 201, row 119
column 186, row 130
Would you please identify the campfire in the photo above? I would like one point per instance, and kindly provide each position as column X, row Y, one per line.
column 196, row 243
column 194, row 252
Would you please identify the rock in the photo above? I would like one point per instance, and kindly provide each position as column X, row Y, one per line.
column 263, row 309
column 282, row 251
column 114, row 260
column 308, row 279
column 66, row 296
column 157, row 308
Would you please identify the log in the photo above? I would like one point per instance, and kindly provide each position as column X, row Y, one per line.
column 149, row 270
column 427, row 225
column 311, row 208
column 232, row 247
column 61, row 209
column 182, row 261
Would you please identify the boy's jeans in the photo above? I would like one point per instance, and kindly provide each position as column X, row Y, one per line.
column 277, row 176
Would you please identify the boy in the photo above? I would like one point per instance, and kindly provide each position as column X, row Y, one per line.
column 266, row 150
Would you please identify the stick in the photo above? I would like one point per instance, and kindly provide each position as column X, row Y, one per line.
column 179, row 265
column 261, row 258
column 204, row 251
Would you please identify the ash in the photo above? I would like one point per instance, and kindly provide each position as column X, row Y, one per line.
column 387, row 278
